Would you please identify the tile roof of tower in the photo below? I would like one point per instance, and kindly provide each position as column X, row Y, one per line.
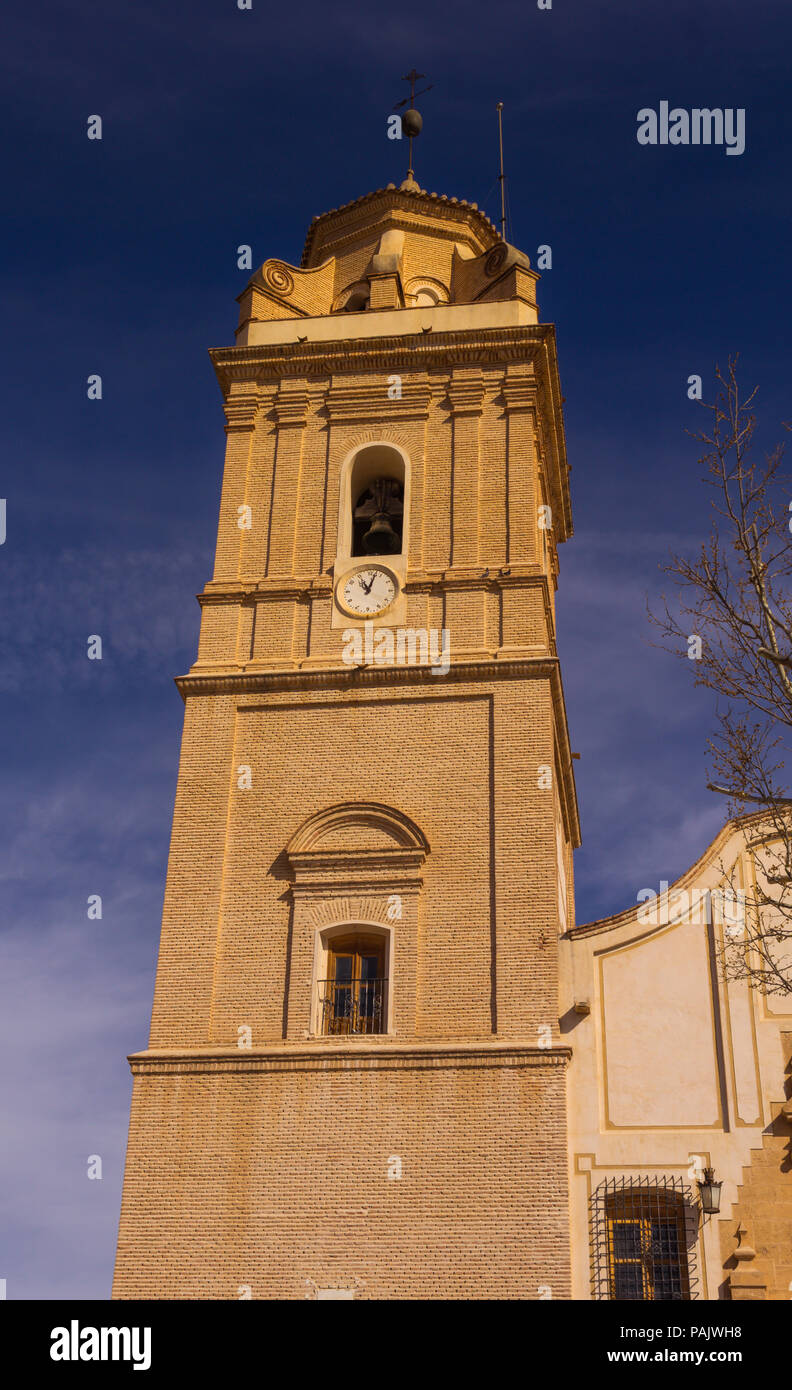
column 408, row 190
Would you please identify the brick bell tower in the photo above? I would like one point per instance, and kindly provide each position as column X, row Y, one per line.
column 355, row 1082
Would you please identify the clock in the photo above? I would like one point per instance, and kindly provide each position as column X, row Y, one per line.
column 367, row 591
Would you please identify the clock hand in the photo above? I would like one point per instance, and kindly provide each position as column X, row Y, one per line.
column 367, row 589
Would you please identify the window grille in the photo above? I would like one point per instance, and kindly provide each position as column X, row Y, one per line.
column 352, row 998
column 352, row 1005
column 643, row 1234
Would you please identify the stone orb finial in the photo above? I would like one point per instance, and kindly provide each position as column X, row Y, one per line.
column 412, row 123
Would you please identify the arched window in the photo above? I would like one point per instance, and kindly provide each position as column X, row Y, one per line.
column 374, row 502
column 644, row 1240
column 365, row 861
column 358, row 301
column 354, row 299
column 426, row 293
column 352, row 998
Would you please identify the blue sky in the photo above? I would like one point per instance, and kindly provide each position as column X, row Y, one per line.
column 224, row 127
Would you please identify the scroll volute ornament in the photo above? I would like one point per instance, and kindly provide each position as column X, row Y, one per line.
column 305, row 293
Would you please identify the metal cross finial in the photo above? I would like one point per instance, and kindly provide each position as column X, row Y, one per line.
column 412, row 77
column 411, row 120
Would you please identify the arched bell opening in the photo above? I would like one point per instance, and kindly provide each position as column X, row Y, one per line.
column 374, row 502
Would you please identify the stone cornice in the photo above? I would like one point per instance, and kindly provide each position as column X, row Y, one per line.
column 355, row 677
column 418, row 582
column 261, row 591
column 269, row 361
column 354, row 864
column 327, row 1055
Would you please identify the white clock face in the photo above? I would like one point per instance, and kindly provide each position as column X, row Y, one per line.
column 367, row 591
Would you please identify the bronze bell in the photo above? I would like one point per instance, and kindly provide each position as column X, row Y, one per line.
column 381, row 539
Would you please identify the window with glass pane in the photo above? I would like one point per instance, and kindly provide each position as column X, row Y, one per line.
column 647, row 1249
column 353, row 995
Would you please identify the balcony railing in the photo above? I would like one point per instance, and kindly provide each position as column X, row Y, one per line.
column 352, row 1006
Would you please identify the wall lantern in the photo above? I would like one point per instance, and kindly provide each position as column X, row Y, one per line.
column 710, row 1192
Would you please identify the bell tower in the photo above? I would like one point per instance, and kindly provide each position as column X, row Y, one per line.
column 355, row 1080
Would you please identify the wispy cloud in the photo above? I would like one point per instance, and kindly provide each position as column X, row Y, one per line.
column 141, row 604
column 636, row 718
column 77, row 997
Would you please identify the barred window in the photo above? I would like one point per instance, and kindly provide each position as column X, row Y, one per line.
column 644, row 1239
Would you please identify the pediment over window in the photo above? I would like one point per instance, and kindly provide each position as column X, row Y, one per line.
column 357, row 836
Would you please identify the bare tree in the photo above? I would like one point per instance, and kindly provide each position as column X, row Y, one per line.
column 732, row 623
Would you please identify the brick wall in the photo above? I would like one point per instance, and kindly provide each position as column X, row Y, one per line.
column 278, row 1179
